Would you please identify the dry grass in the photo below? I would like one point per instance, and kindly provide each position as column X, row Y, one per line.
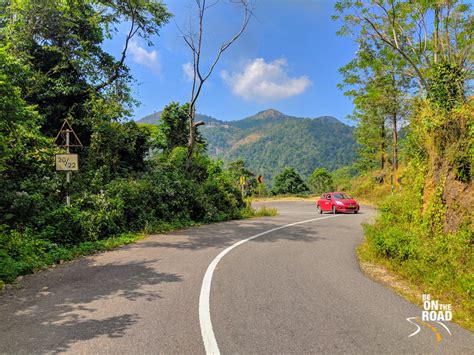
column 381, row 274
column 379, row 271
column 251, row 138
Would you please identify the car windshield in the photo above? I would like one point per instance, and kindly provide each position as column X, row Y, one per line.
column 342, row 196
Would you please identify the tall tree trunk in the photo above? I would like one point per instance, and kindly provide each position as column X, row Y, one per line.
column 382, row 146
column 395, row 141
column 436, row 33
column 191, row 139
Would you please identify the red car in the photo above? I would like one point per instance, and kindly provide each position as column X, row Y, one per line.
column 336, row 202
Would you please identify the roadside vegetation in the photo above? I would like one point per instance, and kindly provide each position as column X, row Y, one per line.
column 410, row 83
column 132, row 179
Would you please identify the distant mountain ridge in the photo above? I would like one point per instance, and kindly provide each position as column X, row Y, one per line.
column 154, row 118
column 270, row 140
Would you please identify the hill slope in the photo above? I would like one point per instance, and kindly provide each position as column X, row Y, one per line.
column 270, row 141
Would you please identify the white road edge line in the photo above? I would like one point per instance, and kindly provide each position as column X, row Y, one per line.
column 207, row 332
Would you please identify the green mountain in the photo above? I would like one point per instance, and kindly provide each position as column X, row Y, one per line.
column 154, row 118
column 270, row 141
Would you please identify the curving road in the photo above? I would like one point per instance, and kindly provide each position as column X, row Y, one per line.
column 267, row 285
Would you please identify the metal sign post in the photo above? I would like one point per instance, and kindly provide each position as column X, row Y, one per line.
column 68, row 173
column 259, row 182
column 242, row 184
column 67, row 162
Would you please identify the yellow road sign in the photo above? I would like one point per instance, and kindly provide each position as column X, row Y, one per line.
column 67, row 162
column 242, row 180
column 260, row 179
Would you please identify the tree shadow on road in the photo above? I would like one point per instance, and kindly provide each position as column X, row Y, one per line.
column 222, row 235
column 37, row 320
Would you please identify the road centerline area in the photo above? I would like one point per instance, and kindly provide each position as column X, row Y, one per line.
column 207, row 332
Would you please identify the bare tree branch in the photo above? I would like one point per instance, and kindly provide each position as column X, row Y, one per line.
column 199, row 78
column 383, row 38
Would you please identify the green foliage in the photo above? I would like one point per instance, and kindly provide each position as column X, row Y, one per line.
column 71, row 75
column 342, row 177
column 417, row 247
column 174, row 126
column 161, row 195
column 53, row 66
column 118, row 148
column 447, row 82
column 424, row 231
column 21, row 144
column 320, row 181
column 289, row 182
column 396, row 234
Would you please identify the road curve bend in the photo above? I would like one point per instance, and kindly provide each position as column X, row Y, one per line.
column 276, row 285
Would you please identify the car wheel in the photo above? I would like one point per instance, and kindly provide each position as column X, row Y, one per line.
column 334, row 210
column 355, row 212
column 319, row 209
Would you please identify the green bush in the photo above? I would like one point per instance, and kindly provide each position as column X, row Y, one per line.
column 22, row 253
column 393, row 242
column 63, row 226
column 289, row 182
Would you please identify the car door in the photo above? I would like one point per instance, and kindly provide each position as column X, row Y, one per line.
column 327, row 206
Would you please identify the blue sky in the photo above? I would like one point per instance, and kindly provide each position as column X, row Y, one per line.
column 288, row 59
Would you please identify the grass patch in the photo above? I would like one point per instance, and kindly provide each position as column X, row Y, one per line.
column 33, row 254
column 250, row 212
column 24, row 253
column 265, row 212
column 411, row 288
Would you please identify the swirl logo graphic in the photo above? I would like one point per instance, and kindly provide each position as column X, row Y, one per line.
column 434, row 312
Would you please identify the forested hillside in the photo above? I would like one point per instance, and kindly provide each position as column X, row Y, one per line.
column 270, row 141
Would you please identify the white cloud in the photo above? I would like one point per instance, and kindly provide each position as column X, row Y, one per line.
column 261, row 81
column 188, row 71
column 148, row 59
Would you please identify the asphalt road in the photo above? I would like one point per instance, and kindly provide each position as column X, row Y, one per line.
column 296, row 289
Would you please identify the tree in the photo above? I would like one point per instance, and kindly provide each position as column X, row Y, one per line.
column 404, row 26
column 71, row 74
column 377, row 82
column 174, row 128
column 194, row 40
column 288, row 182
column 118, row 149
column 25, row 154
column 320, row 181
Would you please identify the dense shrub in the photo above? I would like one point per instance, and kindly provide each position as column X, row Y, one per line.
column 48, row 230
column 289, row 182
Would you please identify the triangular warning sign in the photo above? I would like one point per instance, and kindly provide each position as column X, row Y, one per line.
column 67, row 137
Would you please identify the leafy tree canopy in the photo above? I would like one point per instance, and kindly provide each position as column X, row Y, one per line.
column 174, row 128
column 71, row 74
column 289, row 182
column 320, row 181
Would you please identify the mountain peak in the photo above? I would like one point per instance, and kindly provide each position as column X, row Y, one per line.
column 269, row 113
